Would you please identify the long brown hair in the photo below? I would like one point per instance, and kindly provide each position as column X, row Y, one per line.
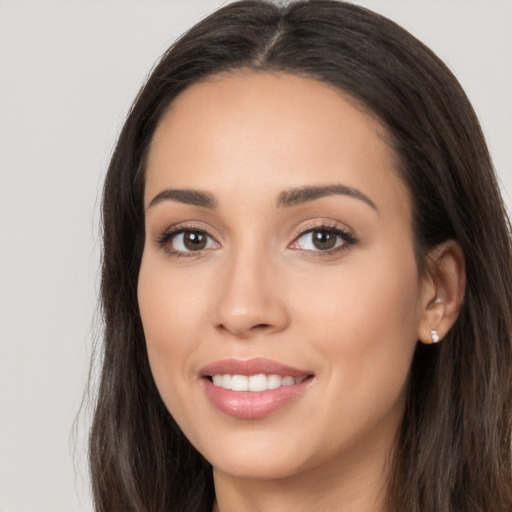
column 454, row 448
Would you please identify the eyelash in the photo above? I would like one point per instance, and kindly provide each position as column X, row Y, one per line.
column 347, row 237
column 168, row 235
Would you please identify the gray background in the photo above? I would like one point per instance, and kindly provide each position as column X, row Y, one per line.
column 68, row 73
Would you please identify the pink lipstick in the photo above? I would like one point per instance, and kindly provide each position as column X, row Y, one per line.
column 254, row 388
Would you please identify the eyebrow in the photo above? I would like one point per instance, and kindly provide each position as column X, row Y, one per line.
column 186, row 196
column 287, row 198
column 301, row 195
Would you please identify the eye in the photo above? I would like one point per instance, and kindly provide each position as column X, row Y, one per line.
column 187, row 241
column 322, row 239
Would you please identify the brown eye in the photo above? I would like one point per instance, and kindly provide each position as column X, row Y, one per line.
column 192, row 240
column 324, row 240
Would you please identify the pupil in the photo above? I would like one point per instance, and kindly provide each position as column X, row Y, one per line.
column 324, row 240
column 194, row 240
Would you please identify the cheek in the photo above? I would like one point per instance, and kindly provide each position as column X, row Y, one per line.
column 171, row 302
column 378, row 291
column 170, row 310
column 361, row 326
column 364, row 319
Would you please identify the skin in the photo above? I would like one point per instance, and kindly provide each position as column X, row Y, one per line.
column 352, row 318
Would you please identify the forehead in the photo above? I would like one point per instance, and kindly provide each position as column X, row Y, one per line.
column 247, row 131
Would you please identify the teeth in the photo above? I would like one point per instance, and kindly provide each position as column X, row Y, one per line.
column 288, row 381
column 239, row 383
column 274, row 381
column 259, row 382
column 217, row 380
column 226, row 381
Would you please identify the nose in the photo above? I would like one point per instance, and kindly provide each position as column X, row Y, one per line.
column 250, row 299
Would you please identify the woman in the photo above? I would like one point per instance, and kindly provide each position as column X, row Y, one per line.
column 306, row 277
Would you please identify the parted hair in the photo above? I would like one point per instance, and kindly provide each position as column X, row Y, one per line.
column 453, row 450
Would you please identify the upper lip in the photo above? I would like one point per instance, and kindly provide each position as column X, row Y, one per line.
column 251, row 367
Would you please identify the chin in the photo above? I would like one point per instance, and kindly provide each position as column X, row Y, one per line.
column 255, row 457
column 265, row 467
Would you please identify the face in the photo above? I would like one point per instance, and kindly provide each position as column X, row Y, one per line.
column 278, row 290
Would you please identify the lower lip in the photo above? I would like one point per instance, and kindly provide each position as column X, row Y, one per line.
column 252, row 404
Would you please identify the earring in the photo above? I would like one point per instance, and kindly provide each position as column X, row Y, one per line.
column 435, row 336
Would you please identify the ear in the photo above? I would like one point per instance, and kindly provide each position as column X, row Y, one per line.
column 442, row 290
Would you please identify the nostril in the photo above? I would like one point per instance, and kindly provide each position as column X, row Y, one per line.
column 261, row 327
column 240, row 330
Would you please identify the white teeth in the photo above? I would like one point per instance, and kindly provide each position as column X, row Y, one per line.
column 226, row 381
column 274, row 381
column 239, row 383
column 259, row 382
column 288, row 381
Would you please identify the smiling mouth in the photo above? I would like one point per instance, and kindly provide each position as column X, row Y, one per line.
column 253, row 396
column 250, row 389
column 257, row 383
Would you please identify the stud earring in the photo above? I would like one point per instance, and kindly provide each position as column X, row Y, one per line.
column 435, row 336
